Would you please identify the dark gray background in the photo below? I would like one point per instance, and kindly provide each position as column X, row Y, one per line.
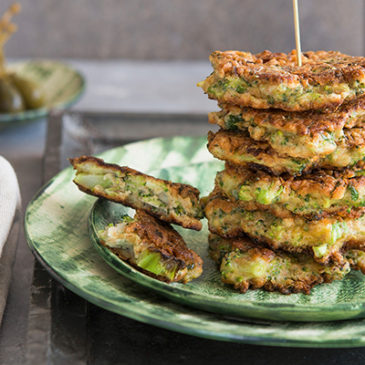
column 180, row 29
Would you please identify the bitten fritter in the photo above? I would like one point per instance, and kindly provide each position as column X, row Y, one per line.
column 304, row 134
column 323, row 239
column 170, row 202
column 153, row 247
column 315, row 195
column 274, row 80
column 238, row 148
column 248, row 266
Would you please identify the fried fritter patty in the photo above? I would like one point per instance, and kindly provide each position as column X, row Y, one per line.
column 248, row 266
column 315, row 195
column 273, row 80
column 238, row 148
column 245, row 265
column 304, row 135
column 153, row 247
column 171, row 202
column 323, row 239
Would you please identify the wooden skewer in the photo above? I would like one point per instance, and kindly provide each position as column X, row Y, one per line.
column 297, row 32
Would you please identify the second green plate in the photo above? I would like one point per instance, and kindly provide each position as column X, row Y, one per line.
column 338, row 300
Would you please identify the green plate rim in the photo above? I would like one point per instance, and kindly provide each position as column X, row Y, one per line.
column 131, row 312
column 181, row 328
column 175, row 290
column 128, row 311
column 43, row 112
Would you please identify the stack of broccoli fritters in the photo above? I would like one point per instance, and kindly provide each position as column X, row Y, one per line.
column 288, row 211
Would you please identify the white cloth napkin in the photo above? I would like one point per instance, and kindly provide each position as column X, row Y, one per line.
column 9, row 199
column 9, row 212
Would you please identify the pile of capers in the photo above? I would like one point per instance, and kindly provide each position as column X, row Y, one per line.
column 17, row 93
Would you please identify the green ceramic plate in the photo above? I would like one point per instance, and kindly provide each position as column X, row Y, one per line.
column 62, row 84
column 338, row 300
column 56, row 228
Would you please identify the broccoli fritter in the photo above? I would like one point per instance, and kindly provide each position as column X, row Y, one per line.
column 274, row 80
column 323, row 239
column 170, row 202
column 304, row 134
column 245, row 265
column 315, row 195
column 248, row 266
column 238, row 148
column 153, row 247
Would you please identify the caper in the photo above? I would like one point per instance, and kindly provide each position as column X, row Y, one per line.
column 32, row 94
column 11, row 100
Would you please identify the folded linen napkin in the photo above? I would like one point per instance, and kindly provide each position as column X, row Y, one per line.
column 9, row 226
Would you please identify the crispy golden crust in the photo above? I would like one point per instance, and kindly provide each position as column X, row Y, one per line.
column 331, row 183
column 239, row 149
column 160, row 237
column 322, row 239
column 324, row 81
column 321, row 67
column 165, row 240
column 299, row 123
column 288, row 135
column 184, row 190
column 305, row 123
column 284, row 272
column 320, row 194
column 190, row 218
column 220, row 246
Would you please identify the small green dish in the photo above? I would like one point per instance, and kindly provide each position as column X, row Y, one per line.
column 336, row 301
column 61, row 83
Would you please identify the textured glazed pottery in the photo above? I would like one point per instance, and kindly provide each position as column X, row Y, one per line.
column 61, row 83
column 57, row 229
